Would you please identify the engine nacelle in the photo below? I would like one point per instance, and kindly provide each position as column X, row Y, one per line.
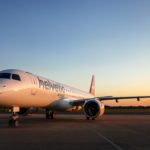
column 93, row 109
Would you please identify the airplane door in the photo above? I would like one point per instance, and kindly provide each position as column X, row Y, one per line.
column 34, row 86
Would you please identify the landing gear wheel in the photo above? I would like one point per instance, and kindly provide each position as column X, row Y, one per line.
column 87, row 118
column 47, row 116
column 50, row 114
column 13, row 123
column 13, row 119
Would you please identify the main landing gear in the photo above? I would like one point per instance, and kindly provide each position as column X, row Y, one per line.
column 88, row 118
column 13, row 119
column 50, row 114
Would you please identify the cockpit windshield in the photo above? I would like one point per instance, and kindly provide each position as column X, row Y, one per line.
column 10, row 76
column 16, row 77
column 5, row 75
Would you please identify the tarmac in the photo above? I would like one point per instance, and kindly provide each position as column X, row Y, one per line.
column 73, row 132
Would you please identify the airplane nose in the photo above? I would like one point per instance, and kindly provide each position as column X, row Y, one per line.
column 3, row 88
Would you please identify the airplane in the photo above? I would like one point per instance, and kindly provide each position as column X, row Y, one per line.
column 23, row 92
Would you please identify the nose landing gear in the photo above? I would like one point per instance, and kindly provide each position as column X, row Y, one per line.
column 13, row 119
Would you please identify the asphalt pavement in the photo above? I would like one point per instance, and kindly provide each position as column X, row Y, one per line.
column 73, row 132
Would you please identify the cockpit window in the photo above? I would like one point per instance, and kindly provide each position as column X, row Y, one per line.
column 16, row 77
column 5, row 75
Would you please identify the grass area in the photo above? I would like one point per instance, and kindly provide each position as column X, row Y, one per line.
column 139, row 109
column 119, row 110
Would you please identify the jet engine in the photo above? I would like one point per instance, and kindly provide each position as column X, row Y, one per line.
column 93, row 109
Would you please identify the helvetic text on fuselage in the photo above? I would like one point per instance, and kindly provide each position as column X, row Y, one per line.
column 48, row 85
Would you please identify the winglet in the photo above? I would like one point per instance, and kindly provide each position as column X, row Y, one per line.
column 92, row 88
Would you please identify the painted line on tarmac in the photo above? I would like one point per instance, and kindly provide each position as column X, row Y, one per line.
column 105, row 138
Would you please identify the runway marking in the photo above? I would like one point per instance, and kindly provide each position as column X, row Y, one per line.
column 105, row 138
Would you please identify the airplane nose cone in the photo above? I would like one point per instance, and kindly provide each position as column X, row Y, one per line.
column 1, row 90
column 3, row 87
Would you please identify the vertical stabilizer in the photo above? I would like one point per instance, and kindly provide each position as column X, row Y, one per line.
column 92, row 88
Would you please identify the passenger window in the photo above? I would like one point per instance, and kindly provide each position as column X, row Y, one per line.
column 16, row 77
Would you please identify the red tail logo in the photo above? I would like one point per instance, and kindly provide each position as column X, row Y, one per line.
column 92, row 88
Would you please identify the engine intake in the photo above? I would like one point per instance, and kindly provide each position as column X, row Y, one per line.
column 93, row 109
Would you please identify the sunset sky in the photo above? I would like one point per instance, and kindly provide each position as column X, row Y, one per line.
column 69, row 40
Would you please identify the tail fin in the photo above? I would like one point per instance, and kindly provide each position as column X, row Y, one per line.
column 92, row 88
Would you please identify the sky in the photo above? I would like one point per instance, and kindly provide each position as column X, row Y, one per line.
column 70, row 40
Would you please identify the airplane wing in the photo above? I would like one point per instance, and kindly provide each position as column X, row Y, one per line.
column 82, row 101
column 117, row 98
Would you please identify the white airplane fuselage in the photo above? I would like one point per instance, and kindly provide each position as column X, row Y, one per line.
column 36, row 91
column 23, row 92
